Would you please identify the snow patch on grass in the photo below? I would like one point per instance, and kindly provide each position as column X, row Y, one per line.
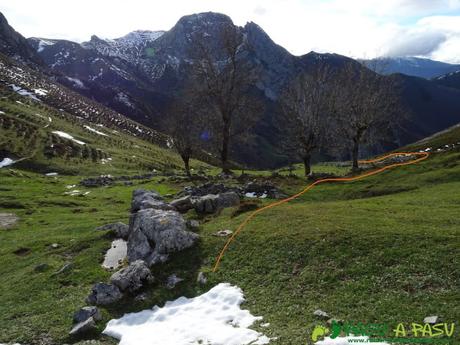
column 213, row 318
column 68, row 136
column 95, row 131
column 23, row 92
column 6, row 162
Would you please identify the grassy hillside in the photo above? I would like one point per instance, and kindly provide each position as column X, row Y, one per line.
column 384, row 249
column 28, row 130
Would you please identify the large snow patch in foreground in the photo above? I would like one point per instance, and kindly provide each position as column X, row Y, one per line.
column 213, row 318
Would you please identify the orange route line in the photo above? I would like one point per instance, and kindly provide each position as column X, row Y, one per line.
column 423, row 156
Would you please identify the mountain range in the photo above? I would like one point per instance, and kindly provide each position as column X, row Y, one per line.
column 414, row 66
column 137, row 75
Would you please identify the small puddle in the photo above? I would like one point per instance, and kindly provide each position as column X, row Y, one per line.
column 115, row 255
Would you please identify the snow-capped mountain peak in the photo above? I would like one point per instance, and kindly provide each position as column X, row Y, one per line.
column 140, row 36
column 128, row 47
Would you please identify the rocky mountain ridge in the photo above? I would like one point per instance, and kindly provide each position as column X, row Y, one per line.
column 139, row 74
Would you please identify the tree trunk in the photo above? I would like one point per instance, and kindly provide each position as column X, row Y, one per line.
column 186, row 160
column 225, row 146
column 355, row 154
column 307, row 164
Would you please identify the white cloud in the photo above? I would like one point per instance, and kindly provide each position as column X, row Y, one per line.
column 358, row 28
column 436, row 37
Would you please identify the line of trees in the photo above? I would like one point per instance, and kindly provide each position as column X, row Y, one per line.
column 337, row 110
column 327, row 109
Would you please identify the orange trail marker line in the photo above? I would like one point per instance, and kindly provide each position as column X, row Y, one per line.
column 423, row 156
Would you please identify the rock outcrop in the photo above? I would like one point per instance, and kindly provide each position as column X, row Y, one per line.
column 104, row 294
column 143, row 199
column 118, row 229
column 156, row 233
column 133, row 277
column 183, row 205
column 85, row 313
column 83, row 327
column 212, row 203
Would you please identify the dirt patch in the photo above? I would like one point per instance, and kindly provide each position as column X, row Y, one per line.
column 8, row 220
column 246, row 206
column 22, row 251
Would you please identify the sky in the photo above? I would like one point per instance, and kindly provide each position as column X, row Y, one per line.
column 356, row 28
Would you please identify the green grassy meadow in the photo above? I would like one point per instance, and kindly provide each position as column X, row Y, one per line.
column 384, row 249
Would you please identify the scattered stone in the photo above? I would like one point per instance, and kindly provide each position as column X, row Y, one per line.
column 154, row 234
column 103, row 294
column 141, row 297
column 119, row 229
column 172, row 281
column 183, row 205
column 101, row 181
column 41, row 268
column 208, row 188
column 297, row 269
column 223, row 233
column 132, row 277
column 193, row 225
column 211, row 203
column 255, row 189
column 265, row 325
column 67, row 267
column 54, row 246
column 201, row 279
column 85, row 313
column 84, row 327
column 108, row 180
column 433, row 319
column 143, row 199
column 321, row 314
column 8, row 220
column 225, row 175
column 262, row 190
column 243, row 177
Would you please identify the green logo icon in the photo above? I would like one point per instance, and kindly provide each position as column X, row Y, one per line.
column 319, row 332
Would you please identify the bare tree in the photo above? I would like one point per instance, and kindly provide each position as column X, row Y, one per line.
column 225, row 81
column 367, row 107
column 184, row 124
column 305, row 105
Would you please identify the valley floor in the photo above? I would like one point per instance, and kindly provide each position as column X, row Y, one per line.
column 382, row 250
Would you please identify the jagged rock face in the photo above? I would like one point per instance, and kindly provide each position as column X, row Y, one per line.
column 155, row 234
column 130, row 47
column 139, row 74
column 14, row 45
